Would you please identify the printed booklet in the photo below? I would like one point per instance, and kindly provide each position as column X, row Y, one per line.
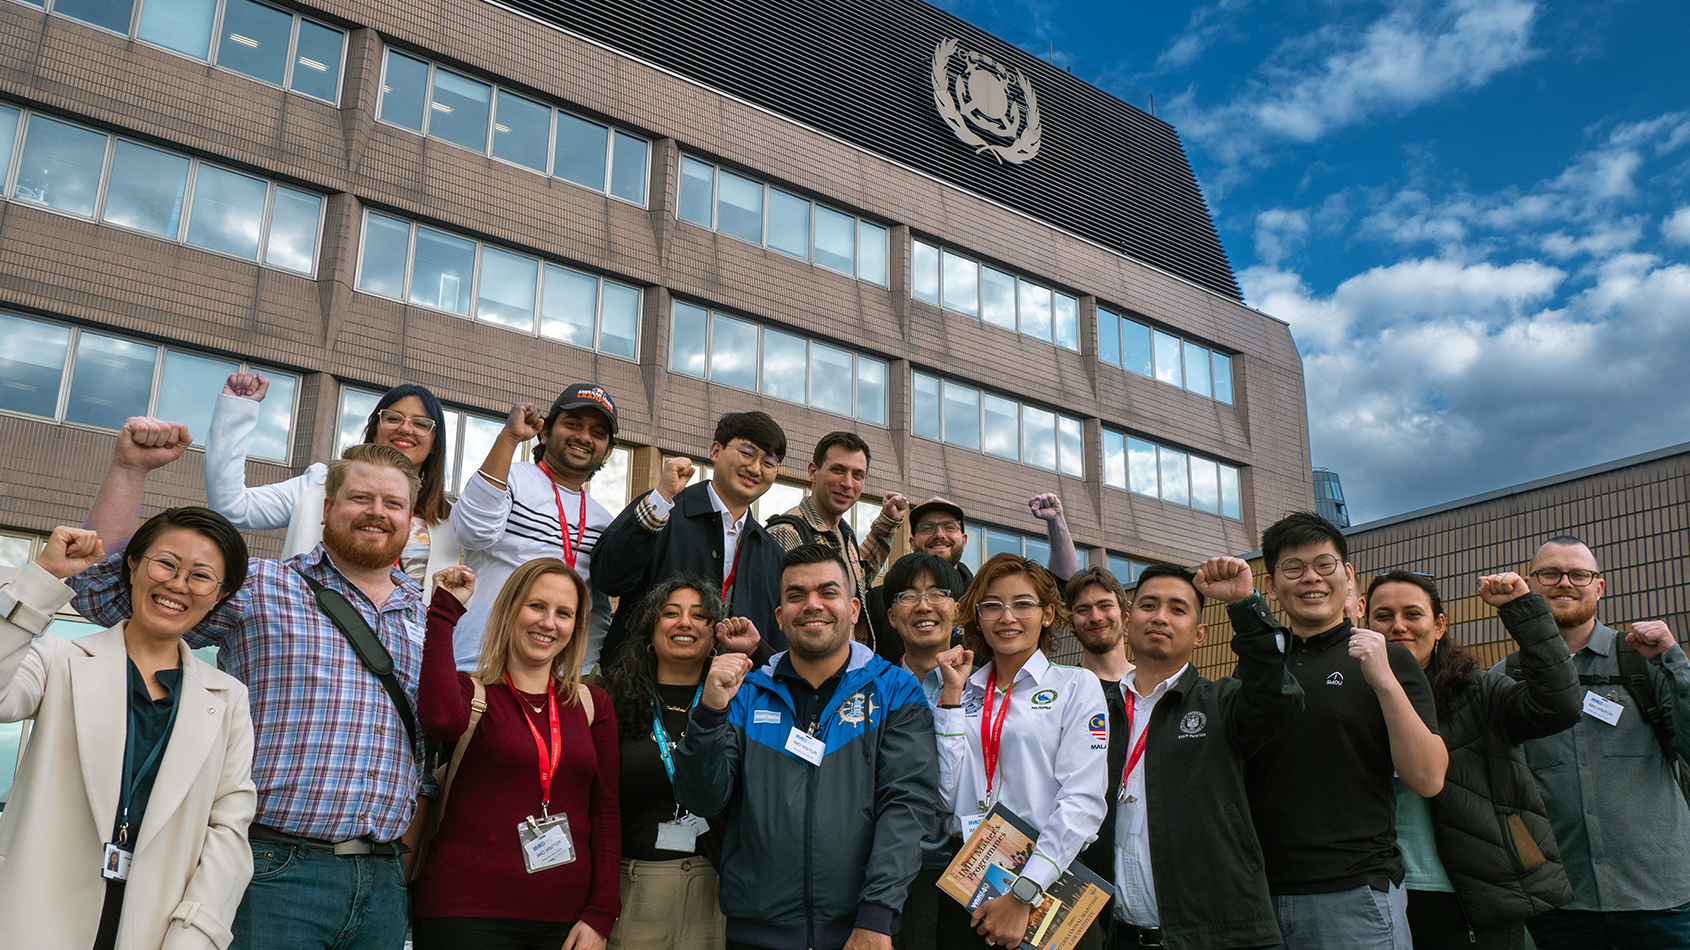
column 991, row 859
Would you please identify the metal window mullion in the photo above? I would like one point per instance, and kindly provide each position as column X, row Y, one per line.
column 809, row 370
column 474, row 283
column 598, row 313
column 264, row 218
column 812, row 242
column 763, row 239
column 134, row 18
column 293, row 54
column 340, row 74
column 188, row 200
column 218, row 16
column 539, row 296
column 551, row 141
column 757, row 383
column 317, row 237
column 493, row 90
column 73, row 344
column 9, row 184
column 645, row 177
column 103, row 186
column 410, row 264
column 609, row 156
column 428, row 99
column 159, row 353
column 715, row 196
column 709, row 343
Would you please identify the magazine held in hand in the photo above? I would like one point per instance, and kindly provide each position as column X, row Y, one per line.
column 989, row 863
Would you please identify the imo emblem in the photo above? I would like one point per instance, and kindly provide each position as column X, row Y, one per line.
column 989, row 106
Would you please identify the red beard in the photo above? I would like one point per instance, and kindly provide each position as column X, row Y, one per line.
column 363, row 550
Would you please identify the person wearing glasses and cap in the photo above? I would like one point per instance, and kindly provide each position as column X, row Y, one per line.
column 511, row 512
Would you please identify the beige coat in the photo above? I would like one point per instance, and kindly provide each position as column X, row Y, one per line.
column 192, row 861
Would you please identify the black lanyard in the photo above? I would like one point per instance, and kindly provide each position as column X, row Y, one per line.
column 131, row 775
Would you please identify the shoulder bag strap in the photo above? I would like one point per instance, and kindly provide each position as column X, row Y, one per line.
column 364, row 642
column 477, row 706
column 585, row 696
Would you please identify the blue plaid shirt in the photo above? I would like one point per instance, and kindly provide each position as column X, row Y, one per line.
column 331, row 759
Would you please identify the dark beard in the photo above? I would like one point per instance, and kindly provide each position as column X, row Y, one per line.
column 560, row 465
column 346, row 544
column 1095, row 648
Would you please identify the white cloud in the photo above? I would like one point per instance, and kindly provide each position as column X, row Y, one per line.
column 1207, row 25
column 1677, row 226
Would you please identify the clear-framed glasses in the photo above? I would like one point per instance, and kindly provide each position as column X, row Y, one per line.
column 1551, row 576
column 393, row 420
column 163, row 569
column 752, row 457
column 1323, row 565
column 993, row 609
column 923, row 527
column 909, row 598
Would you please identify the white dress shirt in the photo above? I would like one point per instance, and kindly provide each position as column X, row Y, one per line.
column 1134, row 883
column 1053, row 759
column 731, row 529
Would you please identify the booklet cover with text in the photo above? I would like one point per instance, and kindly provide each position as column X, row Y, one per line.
column 992, row 858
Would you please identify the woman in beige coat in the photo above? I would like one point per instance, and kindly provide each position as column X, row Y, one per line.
column 102, row 706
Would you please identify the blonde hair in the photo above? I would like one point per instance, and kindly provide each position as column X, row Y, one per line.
column 1045, row 587
column 496, row 641
column 384, row 456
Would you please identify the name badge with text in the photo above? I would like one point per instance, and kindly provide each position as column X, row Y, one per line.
column 1604, row 709
column 805, row 746
column 545, row 842
column 681, row 834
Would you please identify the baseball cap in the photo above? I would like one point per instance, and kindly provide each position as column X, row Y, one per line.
column 587, row 396
column 936, row 504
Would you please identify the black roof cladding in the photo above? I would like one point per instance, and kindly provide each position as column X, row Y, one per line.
column 861, row 70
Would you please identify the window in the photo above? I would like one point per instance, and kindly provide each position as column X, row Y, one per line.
column 996, row 425
column 1175, row 476
column 759, row 213
column 1125, row 569
column 961, row 284
column 445, row 271
column 442, row 103
column 778, row 363
column 1152, row 352
column 93, row 378
column 986, row 541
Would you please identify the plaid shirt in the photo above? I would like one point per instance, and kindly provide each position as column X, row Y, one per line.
column 863, row 561
column 331, row 760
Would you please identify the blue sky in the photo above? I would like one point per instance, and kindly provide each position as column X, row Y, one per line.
column 1475, row 215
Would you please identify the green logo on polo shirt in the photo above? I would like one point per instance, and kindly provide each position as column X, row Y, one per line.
column 1043, row 698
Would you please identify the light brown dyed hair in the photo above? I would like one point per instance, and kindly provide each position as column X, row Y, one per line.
column 1008, row 565
column 495, row 643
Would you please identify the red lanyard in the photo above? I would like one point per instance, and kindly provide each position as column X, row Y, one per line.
column 991, row 732
column 546, row 770
column 733, row 572
column 563, row 523
column 1138, row 747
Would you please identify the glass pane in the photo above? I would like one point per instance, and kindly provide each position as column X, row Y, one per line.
column 386, row 243
column 1035, row 311
column 697, row 181
column 145, row 189
column 739, row 207
column 355, row 408
column 402, row 90
column 924, row 406
column 479, row 433
column 1114, row 459
column 442, row 271
column 1205, row 486
column 316, row 63
column 454, row 422
column 14, row 552
column 1171, row 466
column 292, row 244
column 8, row 135
column 188, row 390
column 871, row 253
column 275, row 418
column 961, row 284
column 786, row 359
column 924, row 272
column 1141, row 467
column 830, row 379
column 962, row 415
column 688, row 348
column 836, row 240
column 627, row 169
column 570, row 301
column 1223, row 377
column 1167, row 359
column 506, row 295
column 610, row 486
column 789, row 224
column 779, row 499
column 111, row 14
column 1232, row 505
column 579, row 151
column 255, row 40
column 1109, row 338
column 733, row 352
column 1038, row 437
column 1037, row 549
column 522, row 131
column 1070, row 447
column 619, row 330
column 459, row 111
column 999, row 541
column 1135, row 347
column 61, row 166
column 1065, row 314
column 1002, row 426
column 1196, row 368
column 228, row 212
column 32, row 364
column 113, row 380
column 997, row 298
column 871, row 390
column 181, row 25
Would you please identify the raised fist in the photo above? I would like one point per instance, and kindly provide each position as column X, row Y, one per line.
column 674, row 476
column 146, row 443
column 955, row 665
column 1045, row 507
column 1227, row 579
column 738, row 635
column 1499, row 589
column 896, row 506
column 457, row 580
column 251, row 386
column 1650, row 637
column 721, row 683
column 524, row 421
column 1370, row 649
column 70, row 551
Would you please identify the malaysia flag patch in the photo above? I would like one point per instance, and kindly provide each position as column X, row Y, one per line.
column 1099, row 727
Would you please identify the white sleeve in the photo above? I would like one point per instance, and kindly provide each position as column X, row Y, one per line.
column 268, row 506
column 1082, row 778
column 659, row 505
column 950, row 728
column 30, row 600
column 481, row 513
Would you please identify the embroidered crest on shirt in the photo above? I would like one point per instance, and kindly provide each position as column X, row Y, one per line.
column 1192, row 724
column 853, row 709
column 1335, row 679
column 1043, row 698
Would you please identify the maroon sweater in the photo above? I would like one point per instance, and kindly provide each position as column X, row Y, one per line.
column 474, row 866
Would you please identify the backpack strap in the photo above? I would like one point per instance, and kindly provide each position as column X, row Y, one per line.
column 584, row 696
column 806, row 533
column 1634, row 676
column 477, row 706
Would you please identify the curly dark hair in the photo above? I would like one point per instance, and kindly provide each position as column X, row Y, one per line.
column 631, row 678
column 1449, row 667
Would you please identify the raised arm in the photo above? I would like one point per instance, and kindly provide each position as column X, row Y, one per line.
column 627, row 546
column 1546, row 699
column 950, row 729
column 443, row 696
column 1064, row 560
column 27, row 605
column 707, row 761
column 1405, row 697
column 233, row 420
column 1267, row 697
column 1669, row 672
column 143, row 444
column 873, row 550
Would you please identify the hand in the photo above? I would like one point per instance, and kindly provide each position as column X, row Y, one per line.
column 868, row 940
column 674, row 476
column 1369, row 648
column 457, row 580
column 524, row 422
column 583, row 937
column 1002, row 920
column 1046, row 507
column 1499, row 589
column 738, row 635
column 896, row 507
column 146, row 443
column 70, row 551
column 1227, row 579
column 251, row 386
column 1650, row 637
column 721, row 684
column 955, row 665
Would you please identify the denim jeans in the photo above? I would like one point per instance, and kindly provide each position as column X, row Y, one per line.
column 1620, row 930
column 308, row 899
column 1360, row 918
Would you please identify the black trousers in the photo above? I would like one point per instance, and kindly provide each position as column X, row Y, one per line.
column 921, row 913
column 1437, row 922
column 487, row 933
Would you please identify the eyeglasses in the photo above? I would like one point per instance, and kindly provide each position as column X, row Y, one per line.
column 993, row 609
column 1323, row 565
column 751, row 457
column 394, row 420
column 163, row 569
column 1551, row 576
column 923, row 527
column 909, row 598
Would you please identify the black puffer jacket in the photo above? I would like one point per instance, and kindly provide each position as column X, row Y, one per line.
column 1492, row 828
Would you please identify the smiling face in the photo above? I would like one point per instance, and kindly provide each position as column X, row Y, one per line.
column 1013, row 631
column 405, row 436
column 743, row 472
column 838, row 482
column 682, row 636
column 578, row 442
column 939, row 533
column 925, row 625
column 170, row 608
column 369, row 520
column 1098, row 623
column 1572, row 606
column 544, row 623
column 1163, row 624
column 817, row 610
column 1403, row 614
column 1314, row 601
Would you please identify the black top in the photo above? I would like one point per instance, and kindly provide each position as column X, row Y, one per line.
column 808, row 703
column 1100, row 854
column 1320, row 791
column 888, row 643
column 648, row 798
column 149, row 722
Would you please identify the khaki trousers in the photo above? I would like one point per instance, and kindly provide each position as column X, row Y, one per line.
column 669, row 905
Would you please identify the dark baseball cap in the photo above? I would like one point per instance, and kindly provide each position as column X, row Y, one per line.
column 587, row 396
column 936, row 504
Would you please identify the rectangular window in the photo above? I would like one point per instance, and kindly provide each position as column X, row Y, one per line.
column 61, row 166
column 997, row 298
column 690, row 340
column 180, row 25
column 111, row 379
column 1036, row 550
column 32, row 365
column 1109, row 338
column 789, row 224
column 619, row 321
column 830, row 378
column 275, row 417
column 1172, row 475
column 1223, row 377
column 387, row 245
column 571, row 300
column 628, row 168
column 442, row 271
column 145, row 190
column 962, row 415
column 255, row 41
column 1175, row 361
column 996, row 425
column 1071, row 447
column 1205, row 485
column 109, row 14
column 187, row 390
column 1114, row 459
column 1141, row 467
column 1197, row 369
column 227, row 213
column 961, row 284
column 924, row 272
column 581, row 151
column 1232, row 505
column 1171, row 466
column 777, row 363
column 786, row 363
column 295, row 220
column 8, row 134
column 1035, row 311
column 316, row 61
column 871, row 390
column 1126, row 570
column 698, row 185
column 1038, row 437
column 999, row 541
column 404, row 89
column 871, row 253
column 1168, row 359
column 1135, row 348
column 733, row 352
column 1065, row 319
column 836, row 240
column 739, row 207
column 924, row 407
column 507, row 283
column 458, row 110
column 968, row 287
column 521, row 130
column 356, row 407
column 1002, row 426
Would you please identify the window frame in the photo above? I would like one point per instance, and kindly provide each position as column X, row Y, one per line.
column 1182, row 341
column 945, row 383
column 1222, row 466
column 941, row 251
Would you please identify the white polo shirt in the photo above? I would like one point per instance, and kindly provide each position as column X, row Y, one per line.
column 1134, row 883
column 1053, row 759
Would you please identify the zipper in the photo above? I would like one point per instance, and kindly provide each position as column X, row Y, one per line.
column 809, row 831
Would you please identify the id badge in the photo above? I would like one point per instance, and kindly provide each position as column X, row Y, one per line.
column 1604, row 709
column 805, row 746
column 114, row 866
column 1130, row 814
column 681, row 834
column 971, row 824
column 545, row 842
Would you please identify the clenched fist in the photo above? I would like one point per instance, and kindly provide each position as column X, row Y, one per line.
column 251, row 386
column 721, row 683
column 955, row 665
column 896, row 506
column 1499, row 589
column 457, row 580
column 146, row 443
column 1370, row 649
column 674, row 477
column 1226, row 579
column 738, row 635
column 524, row 422
column 1650, row 637
column 70, row 551
column 1045, row 507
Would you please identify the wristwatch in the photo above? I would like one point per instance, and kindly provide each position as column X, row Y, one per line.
column 1027, row 890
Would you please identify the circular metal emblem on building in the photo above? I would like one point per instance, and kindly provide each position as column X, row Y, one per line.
column 989, row 106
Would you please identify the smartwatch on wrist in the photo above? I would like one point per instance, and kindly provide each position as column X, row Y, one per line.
column 1027, row 890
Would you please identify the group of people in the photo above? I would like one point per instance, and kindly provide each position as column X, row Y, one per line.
column 427, row 717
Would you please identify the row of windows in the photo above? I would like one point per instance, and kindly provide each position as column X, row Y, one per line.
column 68, row 374
column 433, row 268
column 90, row 174
column 762, row 359
column 256, row 40
column 1161, row 355
column 754, row 211
column 969, row 287
column 986, row 422
column 1125, row 569
column 1173, row 475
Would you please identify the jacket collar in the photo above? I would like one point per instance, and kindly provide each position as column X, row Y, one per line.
column 1037, row 666
column 1602, row 639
